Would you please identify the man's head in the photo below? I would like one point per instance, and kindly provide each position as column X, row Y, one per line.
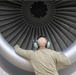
column 41, row 41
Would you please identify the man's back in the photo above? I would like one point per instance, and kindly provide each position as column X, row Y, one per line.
column 44, row 62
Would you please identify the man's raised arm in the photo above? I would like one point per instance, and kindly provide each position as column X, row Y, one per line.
column 22, row 52
column 62, row 59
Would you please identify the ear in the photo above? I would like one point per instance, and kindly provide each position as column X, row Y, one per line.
column 35, row 45
column 48, row 44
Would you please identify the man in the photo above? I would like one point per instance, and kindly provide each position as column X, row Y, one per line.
column 43, row 60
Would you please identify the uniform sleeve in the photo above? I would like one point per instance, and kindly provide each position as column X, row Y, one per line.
column 62, row 59
column 22, row 52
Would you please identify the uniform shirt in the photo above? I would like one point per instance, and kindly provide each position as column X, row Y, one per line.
column 44, row 62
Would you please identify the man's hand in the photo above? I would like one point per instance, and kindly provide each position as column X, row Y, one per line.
column 16, row 46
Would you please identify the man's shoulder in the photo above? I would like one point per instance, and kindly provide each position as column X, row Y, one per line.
column 51, row 50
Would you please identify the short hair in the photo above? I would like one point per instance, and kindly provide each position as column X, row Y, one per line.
column 41, row 36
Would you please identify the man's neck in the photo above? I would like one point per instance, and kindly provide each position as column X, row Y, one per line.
column 42, row 48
